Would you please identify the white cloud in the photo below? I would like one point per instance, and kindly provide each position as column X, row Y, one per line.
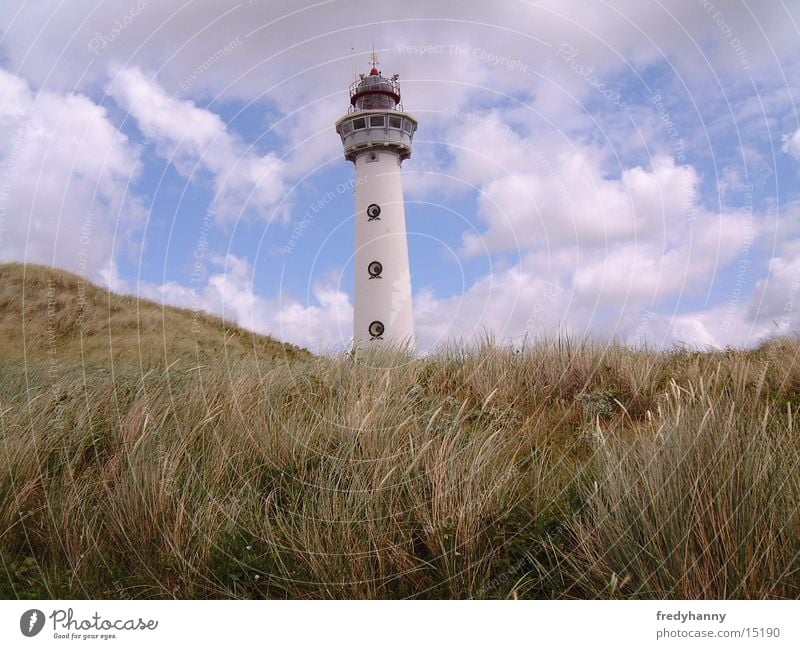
column 196, row 140
column 645, row 273
column 522, row 304
column 509, row 304
column 693, row 331
column 776, row 299
column 324, row 325
column 542, row 191
column 64, row 176
column 791, row 144
column 290, row 52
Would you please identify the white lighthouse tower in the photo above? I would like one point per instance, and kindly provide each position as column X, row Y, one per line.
column 376, row 135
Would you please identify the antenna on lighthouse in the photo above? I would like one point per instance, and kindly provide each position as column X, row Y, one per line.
column 374, row 61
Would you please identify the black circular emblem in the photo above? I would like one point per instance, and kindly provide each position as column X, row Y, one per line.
column 376, row 329
column 375, row 269
column 31, row 622
column 373, row 211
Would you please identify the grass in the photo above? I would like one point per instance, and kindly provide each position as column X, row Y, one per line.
column 52, row 315
column 560, row 470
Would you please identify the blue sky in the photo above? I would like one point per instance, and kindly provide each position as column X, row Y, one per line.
column 622, row 170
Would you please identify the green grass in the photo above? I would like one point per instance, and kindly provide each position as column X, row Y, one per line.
column 560, row 470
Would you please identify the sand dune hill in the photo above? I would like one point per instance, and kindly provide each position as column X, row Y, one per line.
column 47, row 313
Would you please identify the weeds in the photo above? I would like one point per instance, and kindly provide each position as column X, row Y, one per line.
column 560, row 470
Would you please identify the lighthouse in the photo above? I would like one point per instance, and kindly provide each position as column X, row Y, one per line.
column 376, row 135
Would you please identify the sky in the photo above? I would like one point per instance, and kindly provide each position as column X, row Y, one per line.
column 619, row 171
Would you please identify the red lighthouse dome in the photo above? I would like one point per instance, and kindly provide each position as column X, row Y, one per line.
column 374, row 91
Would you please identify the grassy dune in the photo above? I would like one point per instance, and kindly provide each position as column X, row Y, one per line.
column 561, row 470
column 52, row 315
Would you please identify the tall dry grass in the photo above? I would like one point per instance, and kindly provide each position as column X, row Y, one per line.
column 702, row 502
column 560, row 470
